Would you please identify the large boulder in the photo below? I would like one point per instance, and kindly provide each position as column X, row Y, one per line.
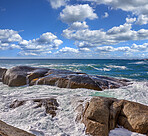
column 96, row 116
column 73, row 80
column 134, row 117
column 102, row 114
column 69, row 81
column 8, row 130
column 16, row 76
column 22, row 75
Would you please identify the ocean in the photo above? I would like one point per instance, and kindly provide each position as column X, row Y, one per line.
column 35, row 120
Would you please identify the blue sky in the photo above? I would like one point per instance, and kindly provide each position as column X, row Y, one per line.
column 98, row 29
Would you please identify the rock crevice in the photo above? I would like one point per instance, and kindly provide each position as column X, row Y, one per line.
column 103, row 114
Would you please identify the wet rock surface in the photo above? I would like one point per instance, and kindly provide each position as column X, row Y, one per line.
column 22, row 75
column 16, row 76
column 2, row 72
column 102, row 114
column 50, row 104
column 8, row 130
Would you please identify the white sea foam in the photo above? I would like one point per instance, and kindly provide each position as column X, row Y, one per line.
column 138, row 92
column 139, row 62
column 34, row 119
column 100, row 69
column 118, row 67
column 123, row 132
column 37, row 122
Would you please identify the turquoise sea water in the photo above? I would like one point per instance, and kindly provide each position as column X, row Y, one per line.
column 132, row 69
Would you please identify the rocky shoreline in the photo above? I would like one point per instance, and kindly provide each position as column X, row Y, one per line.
column 99, row 115
column 23, row 75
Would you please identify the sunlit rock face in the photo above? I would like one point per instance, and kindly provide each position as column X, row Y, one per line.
column 16, row 76
column 7, row 130
column 101, row 114
column 23, row 75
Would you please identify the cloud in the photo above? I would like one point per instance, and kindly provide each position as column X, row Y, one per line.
column 40, row 46
column 130, row 20
column 105, row 15
column 119, row 29
column 85, row 44
column 142, row 20
column 124, row 49
column 107, row 52
column 8, row 37
column 57, row 3
column 14, row 46
column 91, row 38
column 133, row 48
column 76, row 13
column 23, row 53
column 143, row 47
column 105, row 49
column 67, row 50
column 135, row 6
column 78, row 25
column 84, row 49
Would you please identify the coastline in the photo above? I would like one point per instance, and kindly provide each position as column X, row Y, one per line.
column 34, row 120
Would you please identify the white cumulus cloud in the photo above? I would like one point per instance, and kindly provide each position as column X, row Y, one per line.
column 8, row 37
column 105, row 49
column 78, row 25
column 57, row 3
column 142, row 20
column 130, row 20
column 42, row 45
column 143, row 47
column 127, row 49
column 86, row 38
column 137, row 7
column 74, row 13
column 67, row 50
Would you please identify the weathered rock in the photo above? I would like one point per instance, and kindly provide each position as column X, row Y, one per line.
column 96, row 116
column 17, row 103
column 16, row 76
column 70, row 81
column 101, row 115
column 79, row 81
column 2, row 72
column 37, row 73
column 8, row 130
column 22, row 75
column 134, row 117
column 50, row 104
